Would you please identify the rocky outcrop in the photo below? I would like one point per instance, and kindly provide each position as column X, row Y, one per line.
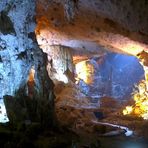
column 120, row 26
column 19, row 53
column 15, row 48
column 73, row 108
column 60, row 62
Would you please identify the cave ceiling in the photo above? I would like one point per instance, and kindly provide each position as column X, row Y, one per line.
column 120, row 26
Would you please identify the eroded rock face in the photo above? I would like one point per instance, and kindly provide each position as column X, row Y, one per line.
column 120, row 26
column 72, row 102
column 19, row 51
column 15, row 48
column 60, row 62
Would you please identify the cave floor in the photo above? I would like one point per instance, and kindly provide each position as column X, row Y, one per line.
column 123, row 142
column 93, row 141
column 64, row 138
column 139, row 139
column 90, row 136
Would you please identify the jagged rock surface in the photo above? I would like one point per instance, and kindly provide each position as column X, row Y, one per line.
column 19, row 51
column 59, row 62
column 120, row 26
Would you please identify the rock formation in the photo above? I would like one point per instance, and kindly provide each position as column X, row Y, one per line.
column 89, row 27
column 118, row 26
column 19, row 52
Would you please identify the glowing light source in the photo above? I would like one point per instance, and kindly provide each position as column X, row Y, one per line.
column 128, row 110
column 140, row 108
column 31, row 82
column 31, row 74
column 84, row 71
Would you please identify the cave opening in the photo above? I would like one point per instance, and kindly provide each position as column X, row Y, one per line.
column 95, row 78
column 106, row 79
column 113, row 75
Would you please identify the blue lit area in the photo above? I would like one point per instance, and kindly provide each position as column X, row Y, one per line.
column 115, row 76
column 126, row 72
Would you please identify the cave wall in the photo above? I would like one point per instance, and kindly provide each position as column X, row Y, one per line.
column 120, row 26
column 60, row 62
column 18, row 48
column 15, row 44
column 19, row 51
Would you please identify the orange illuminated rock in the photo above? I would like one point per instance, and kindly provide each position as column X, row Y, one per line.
column 140, row 108
column 110, row 25
column 31, row 82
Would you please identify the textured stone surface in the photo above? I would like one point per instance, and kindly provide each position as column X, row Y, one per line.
column 59, row 61
column 19, row 51
column 73, row 108
column 14, row 68
column 120, row 26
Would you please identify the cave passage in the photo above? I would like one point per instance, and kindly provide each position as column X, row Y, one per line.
column 113, row 75
column 73, row 73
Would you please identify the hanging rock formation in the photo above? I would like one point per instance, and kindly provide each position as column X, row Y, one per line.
column 59, row 62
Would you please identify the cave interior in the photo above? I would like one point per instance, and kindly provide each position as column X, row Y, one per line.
column 74, row 73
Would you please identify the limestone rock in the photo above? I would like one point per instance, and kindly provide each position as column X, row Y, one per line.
column 16, row 110
column 23, row 109
column 72, row 107
column 6, row 26
column 120, row 26
column 19, row 52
